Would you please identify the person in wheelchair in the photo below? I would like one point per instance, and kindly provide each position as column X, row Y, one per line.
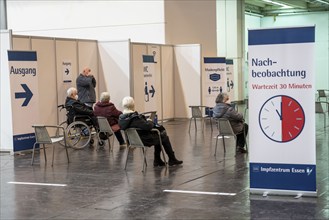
column 76, row 110
column 131, row 119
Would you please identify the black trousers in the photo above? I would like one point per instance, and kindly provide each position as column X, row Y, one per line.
column 241, row 137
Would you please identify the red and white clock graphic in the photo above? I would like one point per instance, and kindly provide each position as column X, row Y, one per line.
column 281, row 118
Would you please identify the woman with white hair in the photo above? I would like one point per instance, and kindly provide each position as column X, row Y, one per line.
column 131, row 119
column 107, row 109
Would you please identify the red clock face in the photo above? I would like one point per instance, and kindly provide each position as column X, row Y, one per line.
column 281, row 118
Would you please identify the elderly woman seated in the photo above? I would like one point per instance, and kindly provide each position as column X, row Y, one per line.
column 107, row 109
column 131, row 119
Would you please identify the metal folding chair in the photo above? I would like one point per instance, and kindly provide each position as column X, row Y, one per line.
column 151, row 114
column 224, row 129
column 320, row 110
column 322, row 94
column 105, row 127
column 197, row 114
column 42, row 138
column 134, row 141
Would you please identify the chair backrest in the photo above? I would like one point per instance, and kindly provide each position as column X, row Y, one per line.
column 224, row 127
column 196, row 111
column 104, row 125
column 151, row 114
column 318, row 107
column 133, row 138
column 322, row 93
column 41, row 134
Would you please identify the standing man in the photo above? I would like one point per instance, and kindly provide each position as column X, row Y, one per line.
column 86, row 84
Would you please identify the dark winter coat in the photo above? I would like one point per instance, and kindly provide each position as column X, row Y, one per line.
column 135, row 120
column 75, row 107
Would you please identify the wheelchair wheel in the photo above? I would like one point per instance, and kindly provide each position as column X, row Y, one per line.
column 59, row 132
column 78, row 135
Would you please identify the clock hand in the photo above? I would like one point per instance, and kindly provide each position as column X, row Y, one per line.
column 278, row 114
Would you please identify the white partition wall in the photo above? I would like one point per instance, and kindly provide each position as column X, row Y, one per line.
column 114, row 69
column 6, row 130
column 187, row 78
column 168, row 87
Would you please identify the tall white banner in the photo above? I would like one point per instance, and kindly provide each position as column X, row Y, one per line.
column 149, row 83
column 282, row 111
column 24, row 97
column 215, row 82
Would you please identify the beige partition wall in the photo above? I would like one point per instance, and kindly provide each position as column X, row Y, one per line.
column 45, row 48
column 164, row 77
column 168, row 88
column 66, row 52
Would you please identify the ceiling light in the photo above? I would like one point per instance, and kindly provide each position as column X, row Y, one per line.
column 324, row 2
column 277, row 3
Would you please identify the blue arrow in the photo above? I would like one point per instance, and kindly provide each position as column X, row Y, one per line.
column 152, row 91
column 27, row 95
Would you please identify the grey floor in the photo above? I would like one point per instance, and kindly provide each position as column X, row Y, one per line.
column 95, row 185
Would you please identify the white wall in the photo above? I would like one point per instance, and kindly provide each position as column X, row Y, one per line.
column 321, row 22
column 140, row 21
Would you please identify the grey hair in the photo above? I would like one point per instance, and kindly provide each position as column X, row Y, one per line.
column 70, row 91
column 128, row 103
column 105, row 97
column 221, row 97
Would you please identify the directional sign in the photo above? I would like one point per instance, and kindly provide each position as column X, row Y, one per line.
column 27, row 95
column 23, row 76
column 67, row 75
column 149, row 83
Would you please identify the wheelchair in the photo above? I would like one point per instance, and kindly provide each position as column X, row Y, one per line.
column 79, row 133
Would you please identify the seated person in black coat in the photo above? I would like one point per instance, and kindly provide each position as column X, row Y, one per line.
column 131, row 119
column 75, row 107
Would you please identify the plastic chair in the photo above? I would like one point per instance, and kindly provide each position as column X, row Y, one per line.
column 320, row 110
column 134, row 141
column 224, row 130
column 104, row 127
column 322, row 94
column 197, row 114
column 42, row 137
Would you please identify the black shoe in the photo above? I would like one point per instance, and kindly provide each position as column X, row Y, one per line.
column 158, row 163
column 241, row 150
column 175, row 162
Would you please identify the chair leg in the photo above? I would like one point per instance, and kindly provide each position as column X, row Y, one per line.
column 144, row 159
column 44, row 152
column 195, row 124
column 33, row 153
column 128, row 149
column 67, row 154
column 189, row 127
column 216, row 144
column 52, row 161
column 223, row 137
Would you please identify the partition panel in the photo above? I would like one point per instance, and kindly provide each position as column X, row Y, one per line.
column 47, row 84
column 21, row 43
column 66, row 52
column 187, row 78
column 168, row 89
column 137, row 75
column 114, row 69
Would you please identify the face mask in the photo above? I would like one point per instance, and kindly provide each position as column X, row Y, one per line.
column 76, row 97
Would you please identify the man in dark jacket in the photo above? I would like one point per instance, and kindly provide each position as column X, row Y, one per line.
column 75, row 107
column 131, row 119
column 86, row 84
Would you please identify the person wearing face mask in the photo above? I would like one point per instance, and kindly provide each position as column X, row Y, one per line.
column 75, row 107
column 86, row 84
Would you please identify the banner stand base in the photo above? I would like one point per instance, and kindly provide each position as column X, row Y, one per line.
column 296, row 193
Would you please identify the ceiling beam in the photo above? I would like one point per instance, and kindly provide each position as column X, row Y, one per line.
column 294, row 3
